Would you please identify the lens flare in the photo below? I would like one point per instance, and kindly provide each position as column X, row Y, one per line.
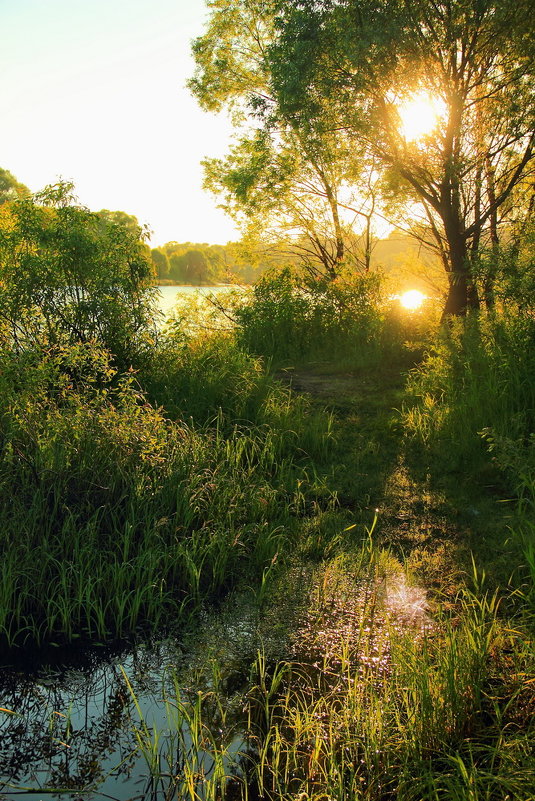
column 412, row 299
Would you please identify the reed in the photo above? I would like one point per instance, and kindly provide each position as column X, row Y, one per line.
column 387, row 712
column 475, row 392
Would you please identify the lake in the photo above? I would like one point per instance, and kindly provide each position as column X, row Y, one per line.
column 170, row 295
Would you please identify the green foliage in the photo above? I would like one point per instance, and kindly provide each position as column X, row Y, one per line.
column 205, row 376
column 476, row 388
column 114, row 516
column 190, row 268
column 10, row 188
column 515, row 270
column 161, row 262
column 69, row 274
column 285, row 317
column 283, row 177
column 230, row 55
column 350, row 65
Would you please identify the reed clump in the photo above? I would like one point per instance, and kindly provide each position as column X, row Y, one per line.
column 475, row 389
column 380, row 710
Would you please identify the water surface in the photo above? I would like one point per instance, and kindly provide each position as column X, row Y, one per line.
column 169, row 296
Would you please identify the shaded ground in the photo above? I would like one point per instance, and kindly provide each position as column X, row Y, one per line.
column 431, row 518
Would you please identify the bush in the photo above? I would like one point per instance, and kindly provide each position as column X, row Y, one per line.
column 287, row 318
column 67, row 274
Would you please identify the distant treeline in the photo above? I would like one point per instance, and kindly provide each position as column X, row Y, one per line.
column 201, row 263
column 243, row 262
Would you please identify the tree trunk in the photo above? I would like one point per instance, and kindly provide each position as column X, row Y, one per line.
column 457, row 302
column 490, row 278
column 462, row 294
column 457, row 299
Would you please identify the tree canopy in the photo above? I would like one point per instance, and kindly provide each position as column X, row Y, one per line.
column 353, row 63
column 323, row 84
column 279, row 180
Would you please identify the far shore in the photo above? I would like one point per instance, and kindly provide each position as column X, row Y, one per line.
column 169, row 282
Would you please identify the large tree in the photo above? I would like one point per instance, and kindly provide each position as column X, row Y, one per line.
column 294, row 182
column 352, row 63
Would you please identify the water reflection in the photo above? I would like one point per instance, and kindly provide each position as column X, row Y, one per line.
column 74, row 721
column 72, row 725
column 169, row 296
column 350, row 618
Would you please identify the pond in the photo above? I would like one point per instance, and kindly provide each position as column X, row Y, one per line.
column 101, row 722
column 161, row 718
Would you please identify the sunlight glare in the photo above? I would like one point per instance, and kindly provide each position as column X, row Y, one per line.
column 420, row 115
column 412, row 299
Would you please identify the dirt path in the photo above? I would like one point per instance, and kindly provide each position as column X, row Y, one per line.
column 432, row 519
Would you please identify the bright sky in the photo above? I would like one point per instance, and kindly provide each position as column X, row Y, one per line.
column 93, row 91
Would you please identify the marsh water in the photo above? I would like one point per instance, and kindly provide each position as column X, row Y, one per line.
column 86, row 722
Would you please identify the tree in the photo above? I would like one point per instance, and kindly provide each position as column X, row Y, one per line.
column 128, row 221
column 71, row 275
column 351, row 64
column 161, row 262
column 10, row 188
column 290, row 182
column 190, row 267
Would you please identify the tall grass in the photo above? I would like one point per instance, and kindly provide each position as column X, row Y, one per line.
column 200, row 377
column 114, row 516
column 476, row 388
column 388, row 711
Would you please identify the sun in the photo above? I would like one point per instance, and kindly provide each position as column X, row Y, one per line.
column 412, row 299
column 420, row 115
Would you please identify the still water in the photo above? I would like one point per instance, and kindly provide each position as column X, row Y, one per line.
column 71, row 724
column 169, row 296
column 73, row 719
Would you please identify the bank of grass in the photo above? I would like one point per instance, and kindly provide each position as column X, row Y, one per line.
column 118, row 515
column 470, row 414
column 128, row 499
column 475, row 392
column 437, row 707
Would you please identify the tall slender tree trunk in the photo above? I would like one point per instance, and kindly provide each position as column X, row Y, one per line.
column 338, row 234
column 330, row 193
column 458, row 300
column 490, row 278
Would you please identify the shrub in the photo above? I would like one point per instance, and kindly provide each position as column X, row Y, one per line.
column 67, row 274
column 285, row 318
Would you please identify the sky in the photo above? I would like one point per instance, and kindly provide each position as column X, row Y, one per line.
column 93, row 92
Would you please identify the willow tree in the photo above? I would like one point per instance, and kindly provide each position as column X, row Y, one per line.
column 295, row 181
column 352, row 64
